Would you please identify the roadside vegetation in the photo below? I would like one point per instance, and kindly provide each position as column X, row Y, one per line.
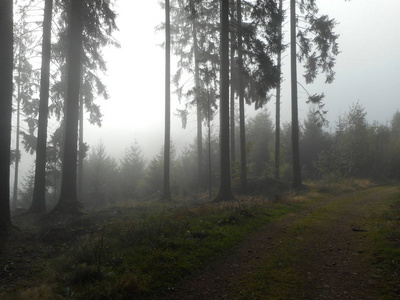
column 294, row 269
column 384, row 236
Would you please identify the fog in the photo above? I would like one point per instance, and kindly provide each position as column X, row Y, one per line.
column 367, row 71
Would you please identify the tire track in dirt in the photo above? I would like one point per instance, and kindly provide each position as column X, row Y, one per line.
column 316, row 253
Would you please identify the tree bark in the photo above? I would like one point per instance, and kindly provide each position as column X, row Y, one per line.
column 39, row 191
column 232, row 99
column 17, row 150
column 278, row 101
column 6, row 89
column 199, row 110
column 166, row 195
column 243, row 162
column 81, row 150
column 209, row 146
column 295, row 120
column 225, row 192
column 68, row 201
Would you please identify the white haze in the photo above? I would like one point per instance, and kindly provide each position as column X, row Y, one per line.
column 367, row 71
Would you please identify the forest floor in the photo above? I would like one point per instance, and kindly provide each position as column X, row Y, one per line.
column 331, row 248
column 322, row 252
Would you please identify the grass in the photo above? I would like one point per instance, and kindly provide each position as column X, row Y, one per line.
column 384, row 236
column 340, row 187
column 279, row 276
column 150, row 247
column 143, row 250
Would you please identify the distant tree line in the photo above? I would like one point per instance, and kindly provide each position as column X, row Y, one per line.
column 355, row 149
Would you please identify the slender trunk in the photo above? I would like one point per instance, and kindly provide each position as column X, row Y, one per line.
column 199, row 110
column 232, row 104
column 243, row 163
column 81, row 150
column 278, row 101
column 6, row 88
column 68, row 201
column 209, row 148
column 295, row 119
column 55, row 187
column 17, row 150
column 39, row 190
column 18, row 127
column 167, row 138
column 225, row 192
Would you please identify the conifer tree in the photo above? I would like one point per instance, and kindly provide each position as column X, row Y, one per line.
column 39, row 191
column 318, row 54
column 194, row 34
column 25, row 86
column 68, row 201
column 6, row 88
column 295, row 119
column 166, row 193
column 96, row 20
column 278, row 96
column 243, row 164
column 225, row 192
column 256, row 72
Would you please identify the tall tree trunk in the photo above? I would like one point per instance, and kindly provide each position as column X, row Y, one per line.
column 81, row 150
column 232, row 95
column 209, row 146
column 278, row 100
column 6, row 89
column 17, row 150
column 199, row 110
column 68, row 201
column 225, row 192
column 295, row 119
column 167, row 138
column 18, row 125
column 39, row 191
column 243, row 163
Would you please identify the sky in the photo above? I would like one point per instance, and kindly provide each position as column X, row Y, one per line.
column 367, row 71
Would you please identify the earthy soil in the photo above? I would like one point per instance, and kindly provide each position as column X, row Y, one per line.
column 336, row 266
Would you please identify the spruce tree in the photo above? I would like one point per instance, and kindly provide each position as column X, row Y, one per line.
column 39, row 191
column 225, row 192
column 6, row 89
column 278, row 96
column 166, row 193
column 317, row 50
column 68, row 200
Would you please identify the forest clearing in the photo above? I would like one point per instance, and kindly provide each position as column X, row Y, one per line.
column 337, row 241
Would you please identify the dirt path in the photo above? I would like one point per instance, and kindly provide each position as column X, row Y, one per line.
column 319, row 253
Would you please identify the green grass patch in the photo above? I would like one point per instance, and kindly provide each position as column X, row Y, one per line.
column 384, row 237
column 278, row 275
column 340, row 187
column 149, row 249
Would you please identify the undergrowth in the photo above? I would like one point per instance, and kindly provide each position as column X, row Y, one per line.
column 384, row 236
column 340, row 187
column 143, row 250
column 276, row 276
column 143, row 256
